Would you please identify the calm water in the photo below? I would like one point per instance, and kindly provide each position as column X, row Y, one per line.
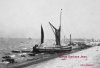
column 8, row 44
column 15, row 43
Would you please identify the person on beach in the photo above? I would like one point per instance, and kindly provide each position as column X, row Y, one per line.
column 35, row 50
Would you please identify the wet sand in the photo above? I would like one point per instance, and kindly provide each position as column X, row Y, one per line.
column 97, row 59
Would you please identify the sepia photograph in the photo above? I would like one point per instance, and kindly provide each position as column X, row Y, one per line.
column 49, row 34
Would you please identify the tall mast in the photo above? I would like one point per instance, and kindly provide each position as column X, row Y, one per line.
column 60, row 26
column 60, row 17
column 57, row 32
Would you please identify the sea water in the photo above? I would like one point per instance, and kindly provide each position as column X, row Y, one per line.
column 9, row 44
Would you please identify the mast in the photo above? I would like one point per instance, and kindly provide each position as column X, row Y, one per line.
column 57, row 32
column 64, row 39
column 60, row 17
column 70, row 40
column 60, row 26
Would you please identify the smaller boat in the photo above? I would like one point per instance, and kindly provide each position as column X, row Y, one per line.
column 16, row 51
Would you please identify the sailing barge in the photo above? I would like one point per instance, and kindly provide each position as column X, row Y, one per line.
column 39, row 54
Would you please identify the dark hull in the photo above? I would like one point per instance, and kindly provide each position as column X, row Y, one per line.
column 57, row 50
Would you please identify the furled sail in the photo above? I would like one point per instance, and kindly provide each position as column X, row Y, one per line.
column 42, row 35
column 56, row 33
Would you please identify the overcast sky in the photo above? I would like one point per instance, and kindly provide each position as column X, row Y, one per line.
column 23, row 18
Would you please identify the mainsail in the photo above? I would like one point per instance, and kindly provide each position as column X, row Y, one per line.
column 56, row 33
column 42, row 35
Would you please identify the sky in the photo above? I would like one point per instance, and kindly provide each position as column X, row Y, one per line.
column 23, row 18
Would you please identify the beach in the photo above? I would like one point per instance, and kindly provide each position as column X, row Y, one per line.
column 89, row 58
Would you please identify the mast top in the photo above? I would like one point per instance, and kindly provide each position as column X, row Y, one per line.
column 60, row 16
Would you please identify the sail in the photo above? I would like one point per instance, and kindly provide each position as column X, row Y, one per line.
column 57, row 34
column 42, row 35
